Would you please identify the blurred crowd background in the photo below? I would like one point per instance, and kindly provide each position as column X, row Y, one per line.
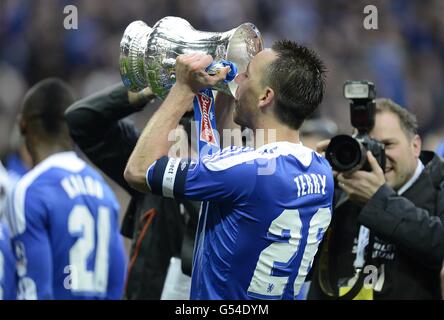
column 404, row 57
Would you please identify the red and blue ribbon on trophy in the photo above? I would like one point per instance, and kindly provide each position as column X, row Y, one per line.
column 204, row 114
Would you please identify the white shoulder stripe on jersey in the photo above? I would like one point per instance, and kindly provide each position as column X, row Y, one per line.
column 303, row 154
column 230, row 154
column 65, row 160
column 169, row 177
column 226, row 152
column 231, row 161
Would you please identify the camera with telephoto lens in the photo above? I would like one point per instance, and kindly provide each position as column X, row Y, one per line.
column 349, row 153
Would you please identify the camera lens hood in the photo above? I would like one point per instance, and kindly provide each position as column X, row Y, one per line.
column 345, row 153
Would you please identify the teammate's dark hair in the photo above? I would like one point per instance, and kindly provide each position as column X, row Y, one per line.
column 45, row 104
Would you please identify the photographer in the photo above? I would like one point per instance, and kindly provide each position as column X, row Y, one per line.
column 400, row 255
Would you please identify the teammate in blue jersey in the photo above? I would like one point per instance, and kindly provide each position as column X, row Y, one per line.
column 265, row 210
column 63, row 216
column 8, row 281
column 7, row 261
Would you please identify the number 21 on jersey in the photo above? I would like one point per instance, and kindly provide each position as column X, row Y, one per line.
column 286, row 232
column 81, row 222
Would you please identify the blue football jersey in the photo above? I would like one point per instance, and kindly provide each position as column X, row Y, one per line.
column 8, row 279
column 65, row 231
column 264, row 214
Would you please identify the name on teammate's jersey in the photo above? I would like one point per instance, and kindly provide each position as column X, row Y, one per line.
column 76, row 185
column 310, row 184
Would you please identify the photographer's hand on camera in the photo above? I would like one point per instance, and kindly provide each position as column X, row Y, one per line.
column 362, row 185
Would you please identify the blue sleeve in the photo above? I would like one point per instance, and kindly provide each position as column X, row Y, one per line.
column 31, row 245
column 8, row 279
column 227, row 175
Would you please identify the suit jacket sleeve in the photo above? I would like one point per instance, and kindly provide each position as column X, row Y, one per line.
column 414, row 230
column 95, row 124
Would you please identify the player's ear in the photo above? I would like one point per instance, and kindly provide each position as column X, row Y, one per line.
column 266, row 98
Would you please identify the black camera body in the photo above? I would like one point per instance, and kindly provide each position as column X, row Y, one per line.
column 349, row 154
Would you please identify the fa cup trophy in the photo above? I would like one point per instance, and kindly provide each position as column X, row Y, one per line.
column 148, row 55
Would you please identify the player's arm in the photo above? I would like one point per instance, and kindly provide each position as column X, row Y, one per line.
column 153, row 143
column 227, row 175
column 31, row 245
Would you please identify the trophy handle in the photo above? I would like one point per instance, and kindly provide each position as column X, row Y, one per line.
column 132, row 55
column 245, row 42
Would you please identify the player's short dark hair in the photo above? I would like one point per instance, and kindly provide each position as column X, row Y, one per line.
column 298, row 78
column 45, row 105
column 407, row 120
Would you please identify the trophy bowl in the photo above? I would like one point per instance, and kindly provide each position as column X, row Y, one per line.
column 148, row 55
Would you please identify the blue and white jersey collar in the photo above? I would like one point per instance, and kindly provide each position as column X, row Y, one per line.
column 65, row 160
